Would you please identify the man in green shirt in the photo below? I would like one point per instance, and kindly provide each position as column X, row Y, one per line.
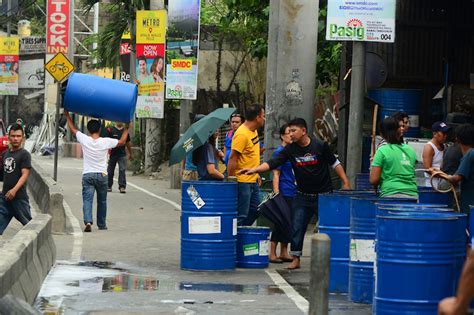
column 393, row 166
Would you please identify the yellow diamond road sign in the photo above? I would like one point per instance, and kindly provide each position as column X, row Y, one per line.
column 59, row 67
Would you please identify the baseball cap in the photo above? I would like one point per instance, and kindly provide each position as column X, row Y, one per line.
column 440, row 126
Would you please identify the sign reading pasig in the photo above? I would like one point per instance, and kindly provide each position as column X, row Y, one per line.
column 57, row 31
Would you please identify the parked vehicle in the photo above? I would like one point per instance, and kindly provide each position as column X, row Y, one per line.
column 4, row 142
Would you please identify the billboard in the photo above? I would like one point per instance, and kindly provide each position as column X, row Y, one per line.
column 150, row 51
column 370, row 21
column 31, row 74
column 9, row 50
column 57, row 26
column 182, row 49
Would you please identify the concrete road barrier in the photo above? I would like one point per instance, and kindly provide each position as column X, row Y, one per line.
column 48, row 196
column 27, row 258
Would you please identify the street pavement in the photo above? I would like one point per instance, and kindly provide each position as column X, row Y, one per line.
column 133, row 267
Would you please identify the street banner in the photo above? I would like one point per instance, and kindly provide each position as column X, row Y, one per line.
column 369, row 21
column 150, row 64
column 32, row 45
column 150, row 71
column 125, row 60
column 31, row 74
column 182, row 49
column 9, row 50
column 151, row 27
column 57, row 30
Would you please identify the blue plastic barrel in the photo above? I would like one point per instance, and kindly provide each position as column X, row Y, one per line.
column 362, row 181
column 98, row 97
column 415, row 262
column 334, row 220
column 253, row 245
column 362, row 246
column 429, row 195
column 208, row 225
column 400, row 100
column 471, row 225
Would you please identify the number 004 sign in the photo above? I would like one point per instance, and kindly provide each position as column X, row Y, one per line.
column 370, row 21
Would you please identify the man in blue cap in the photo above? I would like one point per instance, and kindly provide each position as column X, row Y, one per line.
column 433, row 151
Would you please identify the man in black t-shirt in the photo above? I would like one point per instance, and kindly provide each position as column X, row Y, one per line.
column 310, row 159
column 16, row 163
column 118, row 155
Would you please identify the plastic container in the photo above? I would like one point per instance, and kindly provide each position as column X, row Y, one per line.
column 98, row 97
column 208, row 225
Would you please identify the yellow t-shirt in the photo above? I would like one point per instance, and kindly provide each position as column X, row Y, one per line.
column 246, row 142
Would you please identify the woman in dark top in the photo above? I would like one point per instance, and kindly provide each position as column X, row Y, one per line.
column 206, row 159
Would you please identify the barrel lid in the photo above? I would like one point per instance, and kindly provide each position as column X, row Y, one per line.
column 421, row 216
column 411, row 205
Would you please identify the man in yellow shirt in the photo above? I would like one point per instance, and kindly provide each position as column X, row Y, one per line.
column 246, row 154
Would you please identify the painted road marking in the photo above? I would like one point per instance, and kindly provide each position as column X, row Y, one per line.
column 300, row 301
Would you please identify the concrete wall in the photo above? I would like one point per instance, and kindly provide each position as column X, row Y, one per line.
column 48, row 195
column 26, row 259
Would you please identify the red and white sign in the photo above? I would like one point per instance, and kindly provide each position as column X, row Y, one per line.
column 57, row 32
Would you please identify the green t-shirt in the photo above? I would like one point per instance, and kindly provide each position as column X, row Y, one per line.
column 398, row 169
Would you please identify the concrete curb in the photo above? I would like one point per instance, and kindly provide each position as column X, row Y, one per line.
column 48, row 195
column 27, row 259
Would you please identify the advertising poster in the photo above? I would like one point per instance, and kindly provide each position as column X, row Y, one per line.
column 125, row 57
column 31, row 74
column 9, row 50
column 151, row 33
column 32, row 45
column 57, row 30
column 150, row 71
column 370, row 21
column 182, row 49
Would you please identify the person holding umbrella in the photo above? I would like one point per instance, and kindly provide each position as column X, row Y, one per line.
column 206, row 158
column 283, row 183
column 310, row 159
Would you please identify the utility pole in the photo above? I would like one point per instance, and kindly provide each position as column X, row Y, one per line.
column 184, row 123
column 9, row 32
column 356, row 111
column 291, row 66
column 153, row 125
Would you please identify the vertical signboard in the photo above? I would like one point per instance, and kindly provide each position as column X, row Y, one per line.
column 125, row 57
column 150, row 47
column 182, row 49
column 9, row 51
column 370, row 21
column 57, row 28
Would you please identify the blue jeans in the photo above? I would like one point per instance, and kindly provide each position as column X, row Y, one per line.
column 122, row 163
column 92, row 182
column 248, row 199
column 17, row 208
column 304, row 206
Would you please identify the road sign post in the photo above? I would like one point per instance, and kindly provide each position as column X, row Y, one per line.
column 59, row 67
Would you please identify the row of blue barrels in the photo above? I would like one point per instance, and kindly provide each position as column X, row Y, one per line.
column 362, row 240
column 419, row 259
column 210, row 238
column 334, row 220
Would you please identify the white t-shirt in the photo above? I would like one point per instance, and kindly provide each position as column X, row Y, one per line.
column 95, row 152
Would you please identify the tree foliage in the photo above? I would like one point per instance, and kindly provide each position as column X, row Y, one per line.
column 31, row 10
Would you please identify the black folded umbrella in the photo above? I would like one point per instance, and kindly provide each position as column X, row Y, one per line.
column 277, row 211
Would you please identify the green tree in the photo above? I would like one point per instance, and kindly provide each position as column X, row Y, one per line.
column 31, row 10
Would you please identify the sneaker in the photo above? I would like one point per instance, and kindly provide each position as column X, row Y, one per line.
column 88, row 228
column 103, row 227
column 122, row 190
column 109, row 189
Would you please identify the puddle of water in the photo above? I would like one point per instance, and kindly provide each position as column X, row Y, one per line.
column 67, row 279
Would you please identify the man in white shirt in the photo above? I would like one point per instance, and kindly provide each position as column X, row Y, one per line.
column 94, row 174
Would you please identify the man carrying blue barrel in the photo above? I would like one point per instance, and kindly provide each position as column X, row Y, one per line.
column 94, row 174
column 310, row 159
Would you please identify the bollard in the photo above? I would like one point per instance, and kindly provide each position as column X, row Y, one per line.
column 319, row 281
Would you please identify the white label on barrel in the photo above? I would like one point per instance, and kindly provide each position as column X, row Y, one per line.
column 263, row 249
column 362, row 250
column 195, row 198
column 250, row 249
column 204, row 225
column 234, row 226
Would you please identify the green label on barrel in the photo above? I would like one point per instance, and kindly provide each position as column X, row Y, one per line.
column 250, row 249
